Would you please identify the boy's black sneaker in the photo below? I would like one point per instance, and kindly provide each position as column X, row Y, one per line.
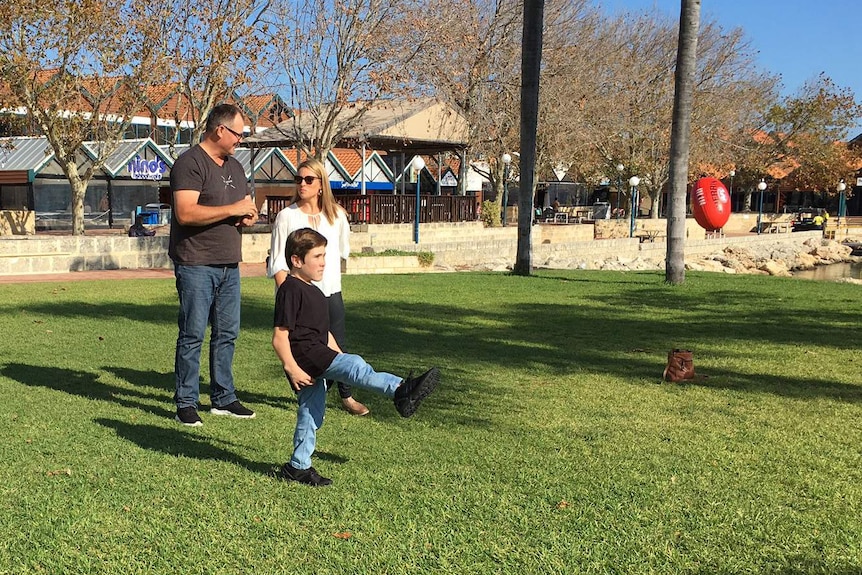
column 189, row 416
column 235, row 409
column 308, row 476
column 413, row 390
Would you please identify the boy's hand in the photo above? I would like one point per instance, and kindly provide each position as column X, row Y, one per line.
column 298, row 379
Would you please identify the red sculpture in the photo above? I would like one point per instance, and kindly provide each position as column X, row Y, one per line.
column 710, row 204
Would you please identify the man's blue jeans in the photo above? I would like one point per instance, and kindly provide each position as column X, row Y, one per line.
column 346, row 367
column 208, row 295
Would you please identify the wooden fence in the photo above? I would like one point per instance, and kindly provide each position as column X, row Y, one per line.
column 394, row 208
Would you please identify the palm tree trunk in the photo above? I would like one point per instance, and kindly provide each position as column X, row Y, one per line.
column 686, row 63
column 531, row 60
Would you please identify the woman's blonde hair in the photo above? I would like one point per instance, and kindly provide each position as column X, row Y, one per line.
column 326, row 200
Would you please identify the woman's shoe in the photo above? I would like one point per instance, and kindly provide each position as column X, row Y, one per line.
column 353, row 407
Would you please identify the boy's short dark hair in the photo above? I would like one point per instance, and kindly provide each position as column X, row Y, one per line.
column 300, row 242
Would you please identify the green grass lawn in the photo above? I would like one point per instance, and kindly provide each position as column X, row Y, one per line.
column 551, row 446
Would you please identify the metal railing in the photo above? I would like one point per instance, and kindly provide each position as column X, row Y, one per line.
column 394, row 208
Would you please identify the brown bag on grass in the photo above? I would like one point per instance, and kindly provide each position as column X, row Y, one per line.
column 680, row 366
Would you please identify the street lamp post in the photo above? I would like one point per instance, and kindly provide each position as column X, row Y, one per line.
column 760, row 186
column 418, row 165
column 732, row 173
column 842, row 199
column 633, row 184
column 620, row 169
column 507, row 162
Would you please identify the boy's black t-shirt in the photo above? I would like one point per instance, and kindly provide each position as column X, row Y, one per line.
column 302, row 309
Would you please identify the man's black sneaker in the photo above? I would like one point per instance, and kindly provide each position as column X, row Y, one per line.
column 413, row 390
column 308, row 476
column 235, row 409
column 189, row 416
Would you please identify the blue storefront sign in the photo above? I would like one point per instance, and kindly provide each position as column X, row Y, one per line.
column 357, row 186
column 141, row 169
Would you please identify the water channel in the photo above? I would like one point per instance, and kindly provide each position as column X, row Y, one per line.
column 832, row 272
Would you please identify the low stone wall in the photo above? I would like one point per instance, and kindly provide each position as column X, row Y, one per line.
column 52, row 254
column 621, row 228
column 359, row 265
column 455, row 246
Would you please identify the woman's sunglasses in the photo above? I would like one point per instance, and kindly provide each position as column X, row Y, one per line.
column 307, row 179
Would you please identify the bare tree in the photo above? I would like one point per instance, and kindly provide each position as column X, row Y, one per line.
column 531, row 63
column 337, row 59
column 74, row 67
column 213, row 51
column 686, row 64
column 624, row 110
column 479, row 42
column 573, row 49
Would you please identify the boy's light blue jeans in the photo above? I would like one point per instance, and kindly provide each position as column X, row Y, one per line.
column 350, row 369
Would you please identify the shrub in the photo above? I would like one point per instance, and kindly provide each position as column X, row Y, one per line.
column 426, row 259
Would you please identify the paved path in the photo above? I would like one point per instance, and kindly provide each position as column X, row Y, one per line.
column 246, row 270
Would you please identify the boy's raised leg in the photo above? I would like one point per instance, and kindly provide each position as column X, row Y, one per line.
column 413, row 390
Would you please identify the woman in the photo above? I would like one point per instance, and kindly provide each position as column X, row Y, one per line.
column 314, row 207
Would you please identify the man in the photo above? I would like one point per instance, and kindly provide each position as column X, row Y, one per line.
column 211, row 203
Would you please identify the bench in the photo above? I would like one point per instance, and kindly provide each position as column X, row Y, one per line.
column 648, row 235
column 562, row 215
column 778, row 227
column 570, row 215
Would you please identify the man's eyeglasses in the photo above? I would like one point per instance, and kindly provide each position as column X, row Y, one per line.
column 238, row 135
column 307, row 179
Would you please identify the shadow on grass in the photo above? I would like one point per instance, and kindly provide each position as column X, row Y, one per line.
column 807, row 565
column 814, row 567
column 792, row 388
column 569, row 339
column 87, row 385
column 165, row 382
column 330, row 457
column 619, row 324
column 177, row 441
column 146, row 386
column 172, row 440
column 142, row 378
column 150, row 313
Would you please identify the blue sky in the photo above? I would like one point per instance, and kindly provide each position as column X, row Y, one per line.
column 797, row 39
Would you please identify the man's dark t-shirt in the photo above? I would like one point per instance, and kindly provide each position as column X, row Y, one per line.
column 303, row 310
column 214, row 244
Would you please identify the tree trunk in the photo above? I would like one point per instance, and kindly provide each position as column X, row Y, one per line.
column 686, row 63
column 78, row 186
column 531, row 60
column 78, row 192
column 655, row 207
column 497, row 178
column 462, row 174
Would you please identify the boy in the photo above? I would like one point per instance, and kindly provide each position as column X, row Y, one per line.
column 310, row 355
